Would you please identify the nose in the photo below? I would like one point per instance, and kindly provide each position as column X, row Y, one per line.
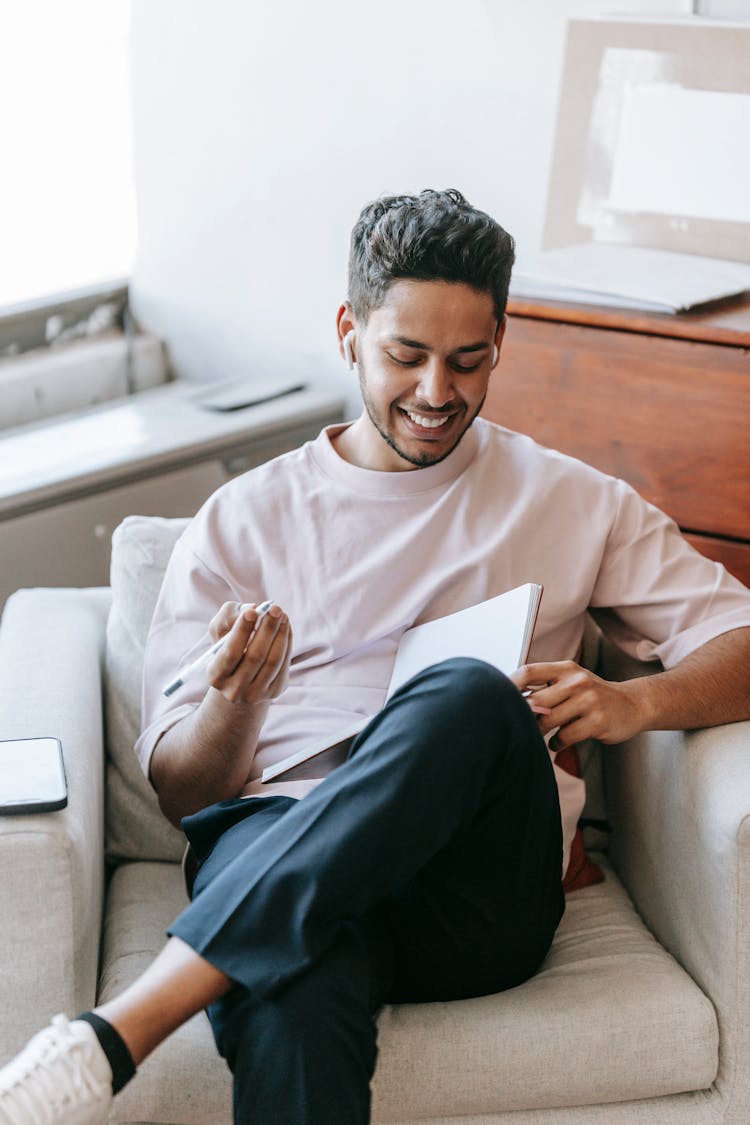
column 435, row 383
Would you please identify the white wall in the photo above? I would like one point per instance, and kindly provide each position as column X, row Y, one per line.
column 262, row 128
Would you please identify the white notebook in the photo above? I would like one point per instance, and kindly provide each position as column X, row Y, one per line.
column 498, row 631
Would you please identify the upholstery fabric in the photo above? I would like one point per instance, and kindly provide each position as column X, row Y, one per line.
column 642, row 1027
column 136, row 828
column 682, row 842
column 51, row 864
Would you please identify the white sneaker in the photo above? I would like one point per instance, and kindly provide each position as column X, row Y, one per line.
column 61, row 1076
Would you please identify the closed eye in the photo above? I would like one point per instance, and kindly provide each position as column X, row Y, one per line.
column 462, row 367
column 405, row 362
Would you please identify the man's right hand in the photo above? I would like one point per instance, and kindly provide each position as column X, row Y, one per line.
column 252, row 666
column 207, row 756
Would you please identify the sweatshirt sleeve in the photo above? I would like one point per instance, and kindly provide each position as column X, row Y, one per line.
column 191, row 593
column 656, row 596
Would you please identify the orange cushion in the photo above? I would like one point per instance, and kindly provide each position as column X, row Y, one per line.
column 581, row 871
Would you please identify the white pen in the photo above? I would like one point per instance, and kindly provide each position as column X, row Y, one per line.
column 205, row 658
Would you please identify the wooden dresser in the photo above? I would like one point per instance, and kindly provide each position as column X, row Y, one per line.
column 661, row 401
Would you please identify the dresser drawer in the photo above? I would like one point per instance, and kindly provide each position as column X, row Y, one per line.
column 671, row 416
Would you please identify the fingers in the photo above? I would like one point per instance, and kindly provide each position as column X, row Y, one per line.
column 224, row 619
column 534, row 706
column 575, row 732
column 542, row 687
column 549, row 685
column 563, row 695
column 580, row 703
column 235, row 621
column 267, row 652
column 279, row 682
column 534, row 681
column 253, row 655
column 536, row 675
column 566, row 713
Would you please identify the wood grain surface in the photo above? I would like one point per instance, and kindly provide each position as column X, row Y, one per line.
column 670, row 415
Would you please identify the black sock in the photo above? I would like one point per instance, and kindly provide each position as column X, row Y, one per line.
column 114, row 1047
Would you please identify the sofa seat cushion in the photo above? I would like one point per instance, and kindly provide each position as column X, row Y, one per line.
column 610, row 1017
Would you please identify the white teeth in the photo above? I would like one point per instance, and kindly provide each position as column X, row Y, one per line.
column 428, row 423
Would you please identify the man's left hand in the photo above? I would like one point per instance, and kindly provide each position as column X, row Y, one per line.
column 581, row 704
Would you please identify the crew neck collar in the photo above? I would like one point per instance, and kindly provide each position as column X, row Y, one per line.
column 378, row 482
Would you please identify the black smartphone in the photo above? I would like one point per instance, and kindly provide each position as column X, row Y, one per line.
column 32, row 776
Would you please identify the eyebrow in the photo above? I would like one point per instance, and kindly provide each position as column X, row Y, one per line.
column 482, row 344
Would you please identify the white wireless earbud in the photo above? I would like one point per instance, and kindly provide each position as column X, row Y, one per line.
column 348, row 353
column 495, row 354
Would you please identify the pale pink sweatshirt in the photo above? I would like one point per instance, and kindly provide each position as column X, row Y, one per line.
column 356, row 557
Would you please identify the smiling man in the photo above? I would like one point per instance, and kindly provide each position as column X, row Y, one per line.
column 430, row 864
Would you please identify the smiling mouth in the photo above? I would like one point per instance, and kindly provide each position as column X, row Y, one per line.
column 434, row 423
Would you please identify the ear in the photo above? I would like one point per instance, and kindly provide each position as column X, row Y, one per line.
column 498, row 342
column 346, row 324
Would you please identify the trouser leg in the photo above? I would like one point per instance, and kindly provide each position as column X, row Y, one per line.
column 455, row 746
column 306, row 1054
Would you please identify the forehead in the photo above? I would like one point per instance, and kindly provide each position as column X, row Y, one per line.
column 434, row 312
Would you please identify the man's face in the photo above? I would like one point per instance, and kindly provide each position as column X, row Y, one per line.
column 424, row 361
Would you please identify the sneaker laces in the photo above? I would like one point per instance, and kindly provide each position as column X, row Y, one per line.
column 51, row 1075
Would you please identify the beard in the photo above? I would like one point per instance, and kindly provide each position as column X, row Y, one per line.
column 420, row 460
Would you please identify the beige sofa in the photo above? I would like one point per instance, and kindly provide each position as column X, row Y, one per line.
column 641, row 1012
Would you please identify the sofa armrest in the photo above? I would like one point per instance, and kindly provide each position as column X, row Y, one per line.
column 680, row 810
column 51, row 864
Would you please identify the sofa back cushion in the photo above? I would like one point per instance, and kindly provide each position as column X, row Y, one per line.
column 136, row 828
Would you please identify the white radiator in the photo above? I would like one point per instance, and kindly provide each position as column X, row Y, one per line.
column 66, row 484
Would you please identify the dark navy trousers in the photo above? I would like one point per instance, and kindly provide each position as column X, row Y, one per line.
column 425, row 867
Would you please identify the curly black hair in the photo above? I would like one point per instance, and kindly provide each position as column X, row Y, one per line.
column 433, row 236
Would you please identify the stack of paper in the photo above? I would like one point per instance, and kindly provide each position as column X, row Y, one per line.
column 632, row 277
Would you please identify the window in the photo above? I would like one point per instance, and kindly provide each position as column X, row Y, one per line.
column 67, row 199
